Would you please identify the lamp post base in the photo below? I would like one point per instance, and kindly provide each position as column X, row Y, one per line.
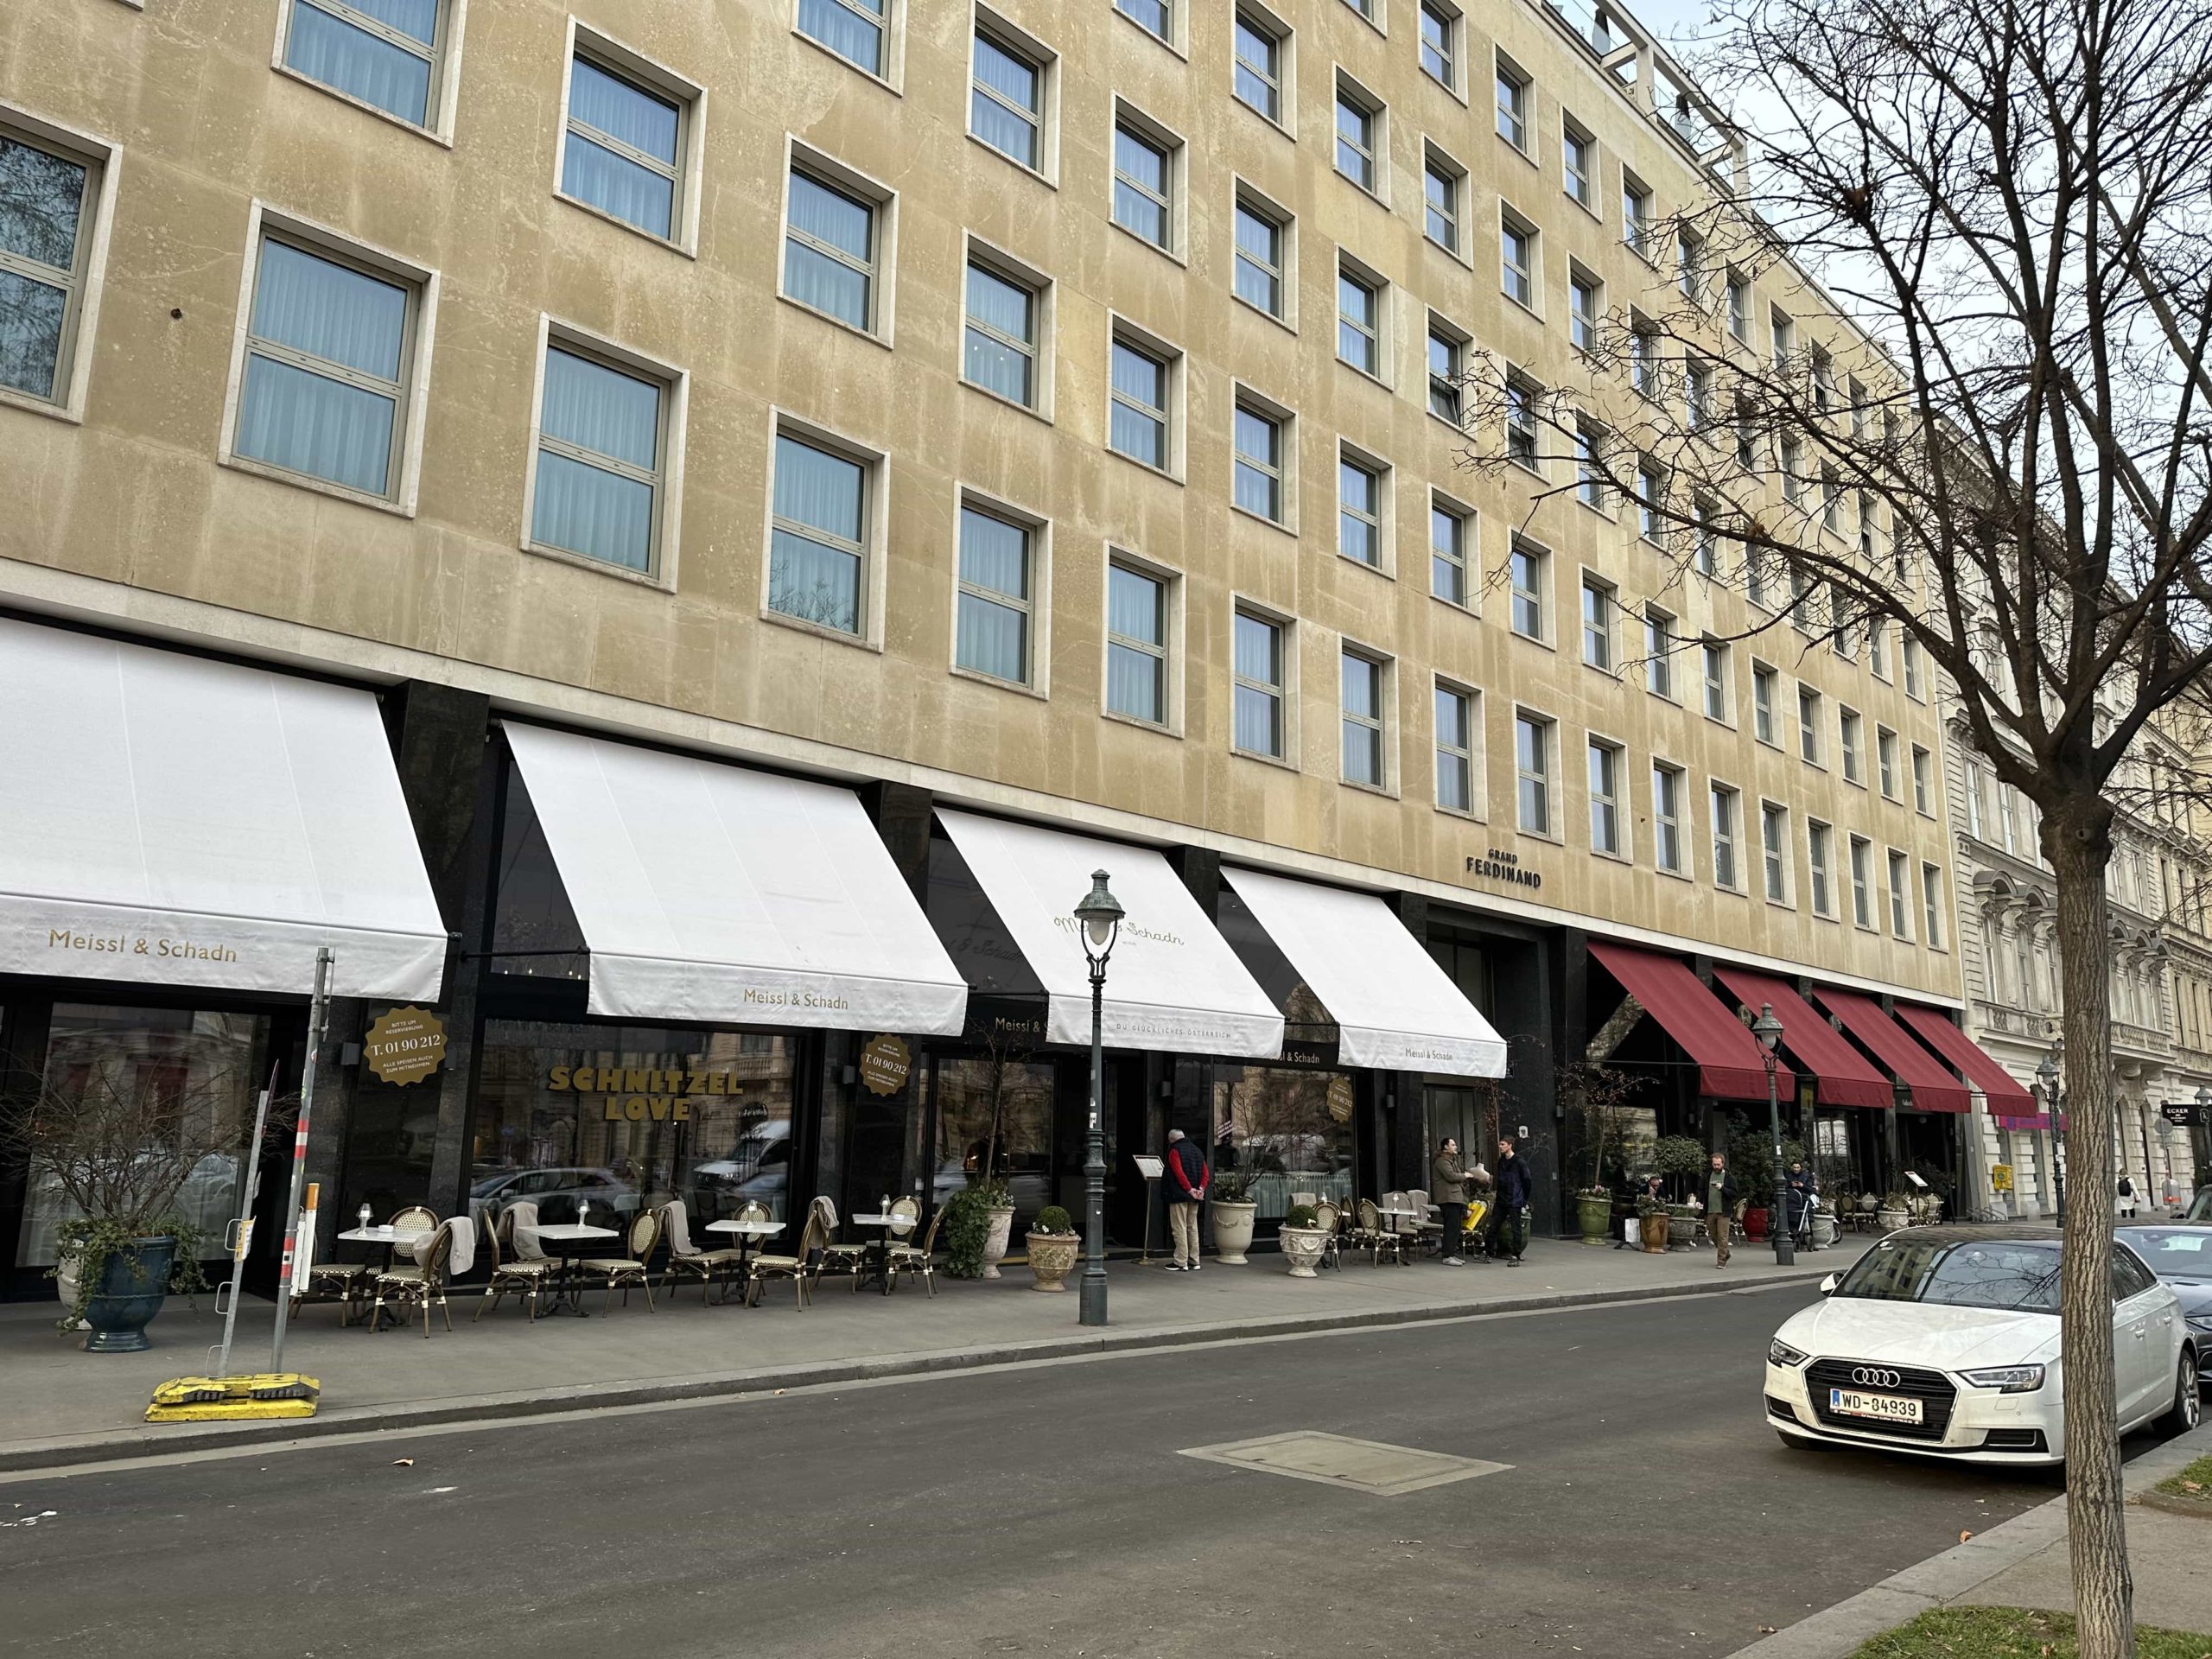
column 1090, row 1294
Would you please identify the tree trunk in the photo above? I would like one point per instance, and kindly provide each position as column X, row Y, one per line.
column 2096, row 1519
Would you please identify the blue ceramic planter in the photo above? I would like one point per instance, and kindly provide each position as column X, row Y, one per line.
column 134, row 1281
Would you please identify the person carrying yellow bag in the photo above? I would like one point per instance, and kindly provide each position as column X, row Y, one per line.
column 1450, row 1184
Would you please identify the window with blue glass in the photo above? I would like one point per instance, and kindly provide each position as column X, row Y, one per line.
column 851, row 28
column 995, row 598
column 1005, row 107
column 830, row 250
column 599, row 446
column 818, row 551
column 624, row 143
column 385, row 53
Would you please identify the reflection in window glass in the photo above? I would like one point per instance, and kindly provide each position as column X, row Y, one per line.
column 994, row 1122
column 1283, row 1128
column 817, row 546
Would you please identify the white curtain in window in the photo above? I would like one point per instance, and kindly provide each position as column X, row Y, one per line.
column 325, row 46
column 322, row 428
column 601, row 410
column 329, row 310
column 844, row 31
column 590, row 510
column 813, row 277
column 809, row 578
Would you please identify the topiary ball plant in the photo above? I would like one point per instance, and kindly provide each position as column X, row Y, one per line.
column 1053, row 1220
column 1302, row 1215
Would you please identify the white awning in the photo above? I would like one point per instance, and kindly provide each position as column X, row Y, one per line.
column 716, row 894
column 1395, row 1009
column 172, row 821
column 1172, row 984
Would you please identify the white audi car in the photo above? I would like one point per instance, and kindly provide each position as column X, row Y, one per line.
column 1944, row 1341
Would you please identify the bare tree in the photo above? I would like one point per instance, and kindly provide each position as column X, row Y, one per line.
column 1998, row 459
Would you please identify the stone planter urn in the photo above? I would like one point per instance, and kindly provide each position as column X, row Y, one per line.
column 1052, row 1258
column 1301, row 1247
column 1593, row 1214
column 134, row 1281
column 1824, row 1230
column 1681, row 1227
column 1889, row 1220
column 1232, row 1230
column 994, row 1242
column 1654, row 1226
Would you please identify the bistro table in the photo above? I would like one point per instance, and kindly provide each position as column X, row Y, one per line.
column 877, row 1258
column 1407, row 1237
column 390, row 1238
column 568, row 1240
column 749, row 1235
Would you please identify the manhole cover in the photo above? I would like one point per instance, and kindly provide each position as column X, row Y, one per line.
column 1338, row 1461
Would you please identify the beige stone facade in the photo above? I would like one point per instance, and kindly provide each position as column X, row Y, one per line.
column 129, row 504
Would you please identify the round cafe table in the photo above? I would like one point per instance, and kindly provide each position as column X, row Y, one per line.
column 748, row 1234
column 877, row 1261
column 568, row 1240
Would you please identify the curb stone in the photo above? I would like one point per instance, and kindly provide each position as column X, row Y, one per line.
column 1841, row 1629
column 148, row 1440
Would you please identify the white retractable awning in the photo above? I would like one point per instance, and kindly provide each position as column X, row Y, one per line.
column 172, row 821
column 1395, row 1009
column 716, row 894
column 1172, row 984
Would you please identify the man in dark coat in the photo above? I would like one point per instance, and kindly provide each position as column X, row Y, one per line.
column 1508, row 1233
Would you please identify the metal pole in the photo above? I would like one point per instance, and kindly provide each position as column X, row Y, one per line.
column 2058, row 1149
column 241, row 1236
column 1092, row 1291
column 318, row 1020
column 1785, row 1249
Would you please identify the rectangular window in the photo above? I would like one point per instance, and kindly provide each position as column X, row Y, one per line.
column 326, row 350
column 1259, row 66
column 851, row 28
column 1862, row 882
column 1450, row 530
column 1596, row 625
column 1143, row 181
column 1973, row 801
column 1259, row 463
column 1659, row 654
column 1818, row 839
column 1582, row 303
column 1793, row 481
column 1526, row 579
column 1359, row 321
column 1578, row 159
column 1697, row 396
column 1136, row 644
column 1885, row 760
column 1931, row 906
column 1512, row 107
column 1006, row 103
column 1446, row 369
column 1440, row 45
column 1358, row 135
column 1643, row 361
column 1823, row 381
column 1723, row 802
column 1138, row 424
column 600, row 438
column 46, row 201
column 1517, row 273
column 1900, row 902
column 1808, row 724
column 1877, row 649
column 1923, row 792
column 1762, row 683
column 1709, row 537
column 1849, row 726
column 1532, row 739
column 1455, row 749
column 1441, row 185
column 1689, row 267
column 1740, row 307
column 1714, row 658
column 1774, row 832
column 1362, row 720
column 1605, row 799
column 386, row 53
column 830, row 254
column 1260, row 239
column 1359, row 511
column 996, row 589
column 1666, row 817
column 1521, row 423
column 1259, row 670
column 1589, row 467
column 1636, row 213
column 1909, row 650
column 623, row 144
column 1000, row 353
column 1153, row 17
column 1651, row 503
column 817, row 549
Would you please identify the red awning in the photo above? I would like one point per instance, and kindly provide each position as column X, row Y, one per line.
column 1934, row 1090
column 1846, row 1078
column 1731, row 1065
column 2006, row 1097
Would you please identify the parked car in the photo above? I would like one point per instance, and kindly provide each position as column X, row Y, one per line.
column 2200, row 1207
column 555, row 1191
column 2182, row 1256
column 1945, row 1341
column 758, row 1165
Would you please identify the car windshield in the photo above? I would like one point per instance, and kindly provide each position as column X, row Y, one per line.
column 2013, row 1274
column 2174, row 1252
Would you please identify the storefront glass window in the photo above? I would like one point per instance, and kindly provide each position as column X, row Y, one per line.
column 996, row 1112
column 625, row 1117
column 204, row 1067
column 1292, row 1131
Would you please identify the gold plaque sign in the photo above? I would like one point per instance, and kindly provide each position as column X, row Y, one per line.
column 885, row 1065
column 405, row 1044
column 1340, row 1099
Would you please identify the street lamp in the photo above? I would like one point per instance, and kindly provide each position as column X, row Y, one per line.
column 2047, row 1075
column 1768, row 1030
column 1100, row 915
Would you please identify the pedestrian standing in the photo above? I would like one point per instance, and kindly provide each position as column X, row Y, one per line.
column 1719, row 1207
column 1451, row 1182
column 1188, row 1176
column 1508, row 1233
column 2126, row 1197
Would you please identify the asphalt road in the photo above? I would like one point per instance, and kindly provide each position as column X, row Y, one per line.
column 1040, row 1510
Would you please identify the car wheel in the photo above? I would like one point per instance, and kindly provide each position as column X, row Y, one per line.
column 2187, row 1407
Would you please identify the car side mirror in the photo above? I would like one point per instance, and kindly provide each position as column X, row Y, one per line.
column 1828, row 1285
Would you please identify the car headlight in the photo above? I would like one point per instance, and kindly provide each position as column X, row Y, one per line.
column 2007, row 1379
column 1779, row 1352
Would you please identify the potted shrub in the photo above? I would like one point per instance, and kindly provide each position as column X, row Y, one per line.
column 1895, row 1212
column 1593, row 1214
column 1302, row 1240
column 977, row 1220
column 116, row 1147
column 1052, row 1244
column 1234, row 1214
column 1653, row 1218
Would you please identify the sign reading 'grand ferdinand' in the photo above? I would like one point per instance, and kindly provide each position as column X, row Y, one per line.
column 1496, row 864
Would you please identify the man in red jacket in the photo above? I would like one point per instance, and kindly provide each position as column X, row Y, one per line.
column 1188, row 1176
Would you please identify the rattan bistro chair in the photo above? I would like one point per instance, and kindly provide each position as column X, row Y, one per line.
column 905, row 1258
column 526, row 1277
column 802, row 1267
column 706, row 1266
column 1329, row 1217
column 1422, row 1229
column 837, row 1257
column 625, row 1272
column 342, row 1282
column 1376, row 1240
column 421, row 1284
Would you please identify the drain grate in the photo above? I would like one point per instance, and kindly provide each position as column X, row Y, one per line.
column 1339, row 1460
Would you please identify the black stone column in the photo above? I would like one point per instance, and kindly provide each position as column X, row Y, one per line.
column 1198, row 868
column 1412, row 1135
column 901, row 814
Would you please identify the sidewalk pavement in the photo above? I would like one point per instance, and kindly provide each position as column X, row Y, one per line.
column 2023, row 1563
column 66, row 1406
